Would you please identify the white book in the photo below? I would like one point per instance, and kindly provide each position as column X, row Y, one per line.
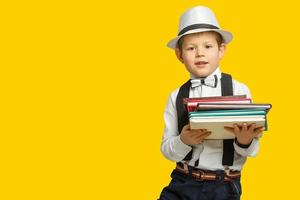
column 216, row 125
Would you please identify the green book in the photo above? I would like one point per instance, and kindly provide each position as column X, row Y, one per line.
column 240, row 112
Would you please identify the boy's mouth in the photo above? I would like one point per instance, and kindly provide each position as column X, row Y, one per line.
column 200, row 63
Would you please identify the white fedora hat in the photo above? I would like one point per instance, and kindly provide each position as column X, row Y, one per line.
column 198, row 19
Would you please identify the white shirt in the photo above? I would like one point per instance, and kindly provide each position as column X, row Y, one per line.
column 209, row 152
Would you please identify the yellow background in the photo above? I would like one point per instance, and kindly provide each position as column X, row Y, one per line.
column 84, row 85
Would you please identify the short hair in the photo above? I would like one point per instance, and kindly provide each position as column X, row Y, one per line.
column 219, row 39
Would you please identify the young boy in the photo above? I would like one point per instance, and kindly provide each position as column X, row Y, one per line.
column 205, row 169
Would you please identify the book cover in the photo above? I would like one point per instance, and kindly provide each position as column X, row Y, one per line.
column 224, row 106
column 227, row 112
column 191, row 103
column 216, row 126
column 186, row 100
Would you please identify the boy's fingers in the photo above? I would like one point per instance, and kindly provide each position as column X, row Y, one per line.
column 252, row 127
column 203, row 135
column 244, row 127
column 196, row 133
column 259, row 127
column 259, row 130
column 206, row 134
column 240, row 125
column 236, row 128
column 228, row 128
column 186, row 127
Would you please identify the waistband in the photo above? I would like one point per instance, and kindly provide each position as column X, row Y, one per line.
column 207, row 175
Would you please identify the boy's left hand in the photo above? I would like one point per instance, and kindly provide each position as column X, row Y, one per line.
column 245, row 133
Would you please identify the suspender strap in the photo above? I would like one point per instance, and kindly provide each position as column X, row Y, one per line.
column 228, row 148
column 226, row 84
column 182, row 113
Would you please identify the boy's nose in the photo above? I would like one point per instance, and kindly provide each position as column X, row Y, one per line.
column 199, row 53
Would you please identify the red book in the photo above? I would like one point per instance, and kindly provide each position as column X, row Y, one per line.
column 191, row 103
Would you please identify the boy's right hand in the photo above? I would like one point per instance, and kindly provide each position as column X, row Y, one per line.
column 193, row 137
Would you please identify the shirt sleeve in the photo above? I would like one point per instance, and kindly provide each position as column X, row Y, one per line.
column 172, row 147
column 252, row 150
column 241, row 89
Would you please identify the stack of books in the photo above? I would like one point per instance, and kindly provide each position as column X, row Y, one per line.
column 215, row 113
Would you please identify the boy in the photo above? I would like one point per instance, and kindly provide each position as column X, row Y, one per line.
column 205, row 169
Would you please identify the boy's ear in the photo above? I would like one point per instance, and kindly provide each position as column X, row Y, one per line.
column 178, row 54
column 222, row 50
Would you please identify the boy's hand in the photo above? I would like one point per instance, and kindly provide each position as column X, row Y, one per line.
column 193, row 137
column 245, row 133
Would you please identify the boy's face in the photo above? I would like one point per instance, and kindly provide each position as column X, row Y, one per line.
column 200, row 53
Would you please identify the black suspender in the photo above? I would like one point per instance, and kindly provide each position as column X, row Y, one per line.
column 182, row 113
column 182, row 116
column 228, row 149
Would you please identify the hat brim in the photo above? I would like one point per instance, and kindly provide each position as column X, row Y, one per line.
column 227, row 36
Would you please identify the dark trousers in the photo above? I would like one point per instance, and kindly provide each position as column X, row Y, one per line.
column 184, row 187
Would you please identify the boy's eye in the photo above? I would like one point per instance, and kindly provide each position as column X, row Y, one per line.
column 208, row 46
column 191, row 48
